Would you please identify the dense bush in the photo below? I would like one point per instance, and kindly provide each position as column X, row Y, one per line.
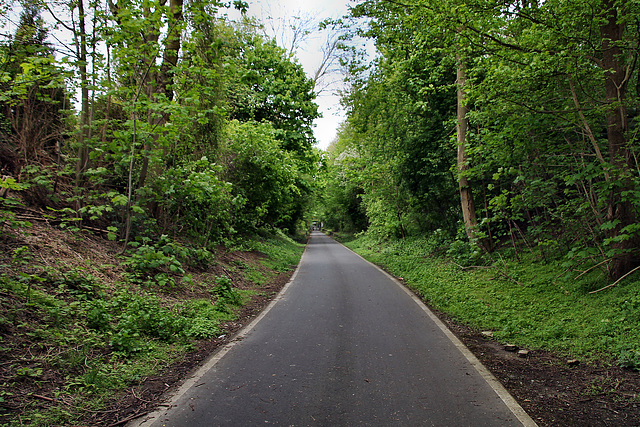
column 195, row 197
column 266, row 178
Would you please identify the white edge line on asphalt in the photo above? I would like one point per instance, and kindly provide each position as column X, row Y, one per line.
column 502, row 392
column 171, row 400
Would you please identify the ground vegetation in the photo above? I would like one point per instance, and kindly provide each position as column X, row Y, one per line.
column 155, row 163
column 489, row 158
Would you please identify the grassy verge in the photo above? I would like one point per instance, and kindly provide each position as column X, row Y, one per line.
column 533, row 303
column 282, row 252
column 74, row 336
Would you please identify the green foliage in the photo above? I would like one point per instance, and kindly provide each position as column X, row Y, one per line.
column 394, row 153
column 134, row 323
column 267, row 85
column 546, row 172
column 157, row 263
column 95, row 337
column 78, row 283
column 32, row 94
column 203, row 319
column 10, row 183
column 144, row 158
column 630, row 359
column 464, row 252
column 8, row 203
column 22, row 256
column 141, row 317
column 152, row 152
column 226, row 294
column 281, row 251
column 194, row 195
column 530, row 303
column 267, row 184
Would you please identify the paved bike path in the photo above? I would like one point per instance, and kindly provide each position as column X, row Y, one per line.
column 342, row 345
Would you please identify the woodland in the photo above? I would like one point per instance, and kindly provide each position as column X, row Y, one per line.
column 490, row 159
column 491, row 145
column 501, row 121
column 156, row 158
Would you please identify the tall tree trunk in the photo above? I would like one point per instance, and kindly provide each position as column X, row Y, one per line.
column 160, row 82
column 466, row 195
column 172, row 47
column 81, row 52
column 616, row 81
column 149, row 80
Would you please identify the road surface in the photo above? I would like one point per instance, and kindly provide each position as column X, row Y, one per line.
column 343, row 345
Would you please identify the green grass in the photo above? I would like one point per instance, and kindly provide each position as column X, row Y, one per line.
column 82, row 342
column 282, row 252
column 256, row 276
column 531, row 303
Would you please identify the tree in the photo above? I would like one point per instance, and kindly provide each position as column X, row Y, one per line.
column 264, row 176
column 32, row 97
column 403, row 106
column 156, row 80
column 545, row 121
column 564, row 75
column 618, row 66
column 343, row 208
column 290, row 32
column 163, row 109
column 270, row 86
column 466, row 194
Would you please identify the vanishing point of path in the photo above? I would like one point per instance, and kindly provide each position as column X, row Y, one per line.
column 342, row 345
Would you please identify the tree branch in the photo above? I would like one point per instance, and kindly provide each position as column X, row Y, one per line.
column 616, row 282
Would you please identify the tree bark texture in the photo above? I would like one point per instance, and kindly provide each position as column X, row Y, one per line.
column 81, row 51
column 160, row 81
column 466, row 195
column 616, row 82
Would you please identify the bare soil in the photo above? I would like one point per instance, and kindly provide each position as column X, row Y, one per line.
column 59, row 250
column 556, row 391
column 553, row 391
column 143, row 398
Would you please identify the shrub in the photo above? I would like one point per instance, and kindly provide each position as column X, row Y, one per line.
column 157, row 263
column 226, row 293
column 194, row 196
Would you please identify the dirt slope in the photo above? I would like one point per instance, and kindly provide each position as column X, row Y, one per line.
column 553, row 391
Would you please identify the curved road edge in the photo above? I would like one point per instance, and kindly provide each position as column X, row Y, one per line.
column 496, row 385
column 145, row 420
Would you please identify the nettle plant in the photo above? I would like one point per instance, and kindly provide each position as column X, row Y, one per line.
column 157, row 263
column 8, row 203
column 133, row 321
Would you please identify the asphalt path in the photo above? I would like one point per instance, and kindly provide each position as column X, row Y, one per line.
column 343, row 344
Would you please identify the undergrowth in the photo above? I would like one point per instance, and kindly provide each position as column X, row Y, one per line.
column 69, row 341
column 535, row 302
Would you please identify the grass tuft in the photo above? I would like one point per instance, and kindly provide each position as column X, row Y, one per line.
column 532, row 303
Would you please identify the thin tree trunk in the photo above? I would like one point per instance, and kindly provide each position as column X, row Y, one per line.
column 81, row 50
column 163, row 80
column 172, row 47
column 466, row 195
column 149, row 81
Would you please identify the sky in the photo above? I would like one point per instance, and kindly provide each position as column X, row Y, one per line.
column 309, row 54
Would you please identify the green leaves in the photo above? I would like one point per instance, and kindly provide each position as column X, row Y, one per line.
column 195, row 196
column 268, row 85
column 10, row 183
column 266, row 177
